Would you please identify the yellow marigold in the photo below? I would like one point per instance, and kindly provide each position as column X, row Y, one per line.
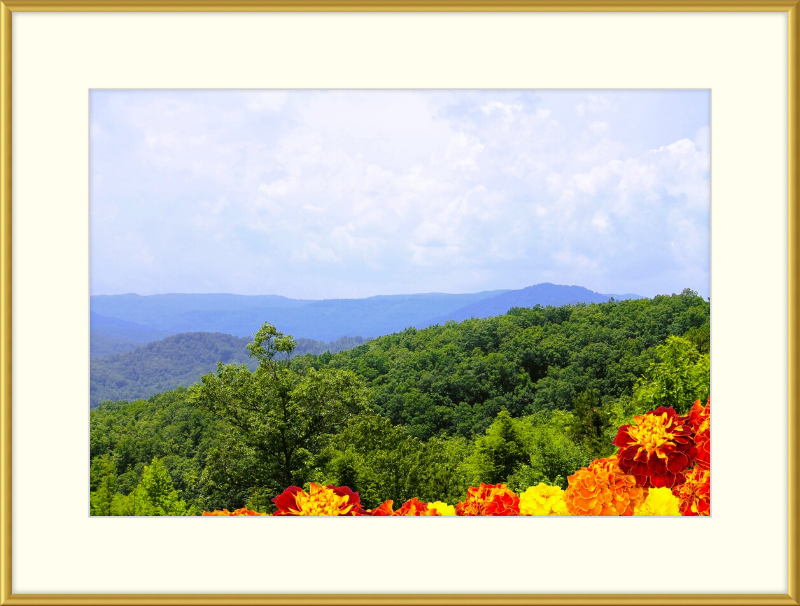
column 443, row 509
column 318, row 501
column 659, row 502
column 602, row 489
column 542, row 500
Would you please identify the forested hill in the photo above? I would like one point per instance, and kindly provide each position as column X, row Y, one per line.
column 541, row 294
column 112, row 335
column 180, row 360
column 527, row 397
column 323, row 320
column 456, row 377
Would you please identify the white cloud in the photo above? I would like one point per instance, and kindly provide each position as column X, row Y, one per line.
column 599, row 127
column 507, row 111
column 265, row 100
column 593, row 104
column 368, row 192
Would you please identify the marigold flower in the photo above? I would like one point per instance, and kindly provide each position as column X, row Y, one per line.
column 384, row 509
column 318, row 501
column 242, row 511
column 602, row 489
column 699, row 418
column 412, row 507
column 415, row 507
column 659, row 502
column 489, row 500
column 695, row 493
column 657, row 448
column 543, row 500
column 442, row 508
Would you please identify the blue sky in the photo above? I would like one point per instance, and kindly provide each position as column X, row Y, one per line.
column 339, row 194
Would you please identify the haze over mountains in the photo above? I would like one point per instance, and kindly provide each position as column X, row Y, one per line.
column 122, row 322
column 143, row 345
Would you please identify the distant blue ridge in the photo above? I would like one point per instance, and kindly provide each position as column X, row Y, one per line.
column 144, row 318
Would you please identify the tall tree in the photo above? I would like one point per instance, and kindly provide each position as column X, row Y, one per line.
column 101, row 500
column 681, row 376
column 283, row 416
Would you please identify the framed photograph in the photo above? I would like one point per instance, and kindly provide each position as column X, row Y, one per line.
column 445, row 261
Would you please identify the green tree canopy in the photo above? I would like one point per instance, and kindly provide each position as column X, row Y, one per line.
column 285, row 417
column 680, row 376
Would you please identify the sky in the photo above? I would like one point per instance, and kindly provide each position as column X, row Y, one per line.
column 354, row 193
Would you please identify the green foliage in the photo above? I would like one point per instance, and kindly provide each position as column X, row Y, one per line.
column 680, row 376
column 101, row 500
column 594, row 425
column 523, row 398
column 453, row 379
column 161, row 365
column 177, row 360
column 381, row 461
column 504, row 448
column 155, row 495
column 553, row 454
column 284, row 417
column 523, row 452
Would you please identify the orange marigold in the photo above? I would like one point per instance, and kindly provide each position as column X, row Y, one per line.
column 384, row 509
column 657, row 448
column 415, row 507
column 318, row 501
column 489, row 500
column 695, row 493
column 699, row 418
column 242, row 511
column 602, row 489
column 412, row 507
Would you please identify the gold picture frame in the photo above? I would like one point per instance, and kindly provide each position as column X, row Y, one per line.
column 9, row 7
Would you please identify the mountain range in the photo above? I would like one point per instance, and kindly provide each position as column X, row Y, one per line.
column 121, row 323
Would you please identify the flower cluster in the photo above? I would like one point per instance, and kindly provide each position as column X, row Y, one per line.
column 489, row 500
column 695, row 493
column 543, row 500
column 318, row 501
column 700, row 421
column 412, row 507
column 662, row 468
column 659, row 502
column 243, row 511
column 656, row 448
column 603, row 489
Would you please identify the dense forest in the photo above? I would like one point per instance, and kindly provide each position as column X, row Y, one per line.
column 526, row 397
column 180, row 360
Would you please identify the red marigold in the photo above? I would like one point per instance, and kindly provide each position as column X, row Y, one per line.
column 602, row 489
column 695, row 493
column 318, row 501
column 657, row 448
column 699, row 418
column 242, row 511
column 489, row 500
